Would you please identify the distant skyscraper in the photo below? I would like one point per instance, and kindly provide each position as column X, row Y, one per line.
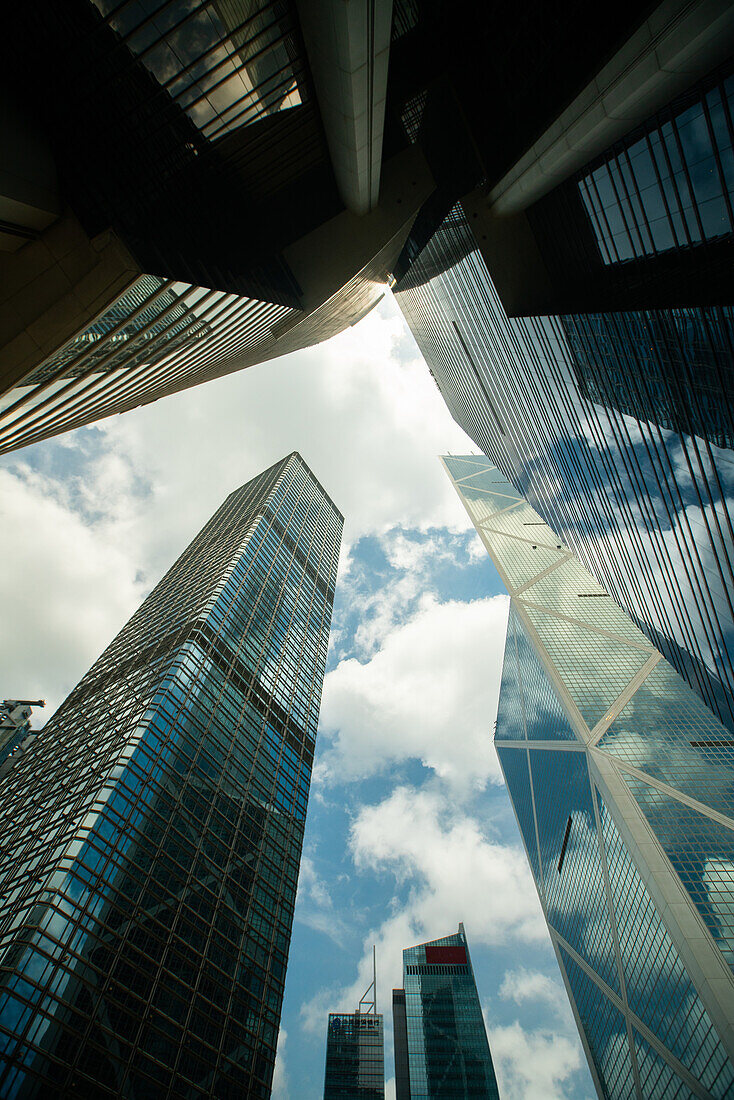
column 15, row 724
column 355, row 1051
column 578, row 320
column 152, row 833
column 441, row 1047
column 622, row 782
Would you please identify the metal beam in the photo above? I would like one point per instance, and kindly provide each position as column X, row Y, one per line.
column 348, row 48
column 681, row 42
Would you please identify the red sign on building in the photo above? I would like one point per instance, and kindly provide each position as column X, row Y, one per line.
column 454, row 955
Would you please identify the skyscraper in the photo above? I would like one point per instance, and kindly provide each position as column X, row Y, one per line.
column 194, row 186
column 441, row 1047
column 355, row 1057
column 152, row 833
column 622, row 783
column 593, row 419
column 15, row 724
column 355, row 1050
column 577, row 317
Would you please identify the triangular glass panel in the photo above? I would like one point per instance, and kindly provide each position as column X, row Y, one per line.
column 482, row 507
column 594, row 669
column 491, row 481
column 573, row 880
column 701, row 851
column 659, row 989
column 572, row 591
column 658, row 1079
column 526, row 524
column 545, row 718
column 514, row 763
column 468, row 464
column 605, row 1030
column 520, row 561
column 510, row 718
column 667, row 731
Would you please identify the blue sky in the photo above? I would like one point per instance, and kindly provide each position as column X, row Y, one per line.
column 409, row 829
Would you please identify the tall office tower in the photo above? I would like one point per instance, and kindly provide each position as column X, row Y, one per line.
column 622, row 783
column 441, row 1047
column 577, row 316
column 193, row 186
column 355, row 1051
column 152, row 833
column 15, row 724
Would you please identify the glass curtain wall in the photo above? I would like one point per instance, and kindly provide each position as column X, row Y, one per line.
column 153, row 830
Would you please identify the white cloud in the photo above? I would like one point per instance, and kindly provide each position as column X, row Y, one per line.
column 523, row 985
column 311, row 886
column 380, row 611
column 448, row 870
column 82, row 547
column 533, row 1065
column 362, row 409
column 460, row 872
column 429, row 693
column 281, row 1081
column 314, row 905
column 67, row 584
column 414, row 559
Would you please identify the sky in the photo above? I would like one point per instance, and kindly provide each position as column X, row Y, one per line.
column 409, row 827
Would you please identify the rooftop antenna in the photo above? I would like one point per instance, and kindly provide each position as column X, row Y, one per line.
column 368, row 1005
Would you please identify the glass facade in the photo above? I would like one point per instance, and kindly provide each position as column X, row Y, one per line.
column 670, row 186
column 192, row 169
column 226, row 64
column 159, row 337
column 622, row 783
column 647, row 364
column 616, row 427
column 440, row 1038
column 15, row 725
column 155, row 828
column 355, row 1058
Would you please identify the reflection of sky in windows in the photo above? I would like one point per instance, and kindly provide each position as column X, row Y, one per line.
column 575, row 896
column 671, row 368
column 517, row 777
column 226, row 63
column 545, row 718
column 169, row 833
column 593, row 895
column 658, row 1081
column 605, row 1029
column 447, row 1042
column 658, row 988
column 702, row 852
column 510, row 724
column 646, row 508
column 670, row 188
column 666, row 731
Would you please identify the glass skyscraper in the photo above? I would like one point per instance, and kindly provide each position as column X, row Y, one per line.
column 595, row 420
column 194, row 186
column 15, row 724
column 355, row 1050
column 622, row 783
column 441, row 1048
column 598, row 373
column 152, row 832
column 355, row 1057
